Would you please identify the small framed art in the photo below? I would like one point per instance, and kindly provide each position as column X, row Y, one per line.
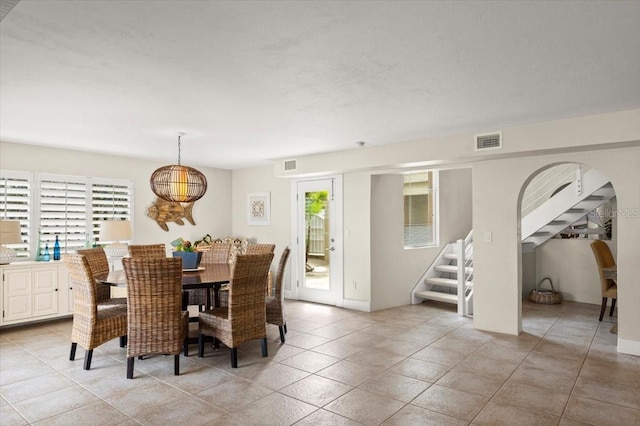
column 259, row 209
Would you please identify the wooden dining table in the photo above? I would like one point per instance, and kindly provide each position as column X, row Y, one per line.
column 210, row 276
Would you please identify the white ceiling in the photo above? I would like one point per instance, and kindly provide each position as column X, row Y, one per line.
column 253, row 81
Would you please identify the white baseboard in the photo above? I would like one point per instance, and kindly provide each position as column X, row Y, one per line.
column 630, row 347
column 357, row 305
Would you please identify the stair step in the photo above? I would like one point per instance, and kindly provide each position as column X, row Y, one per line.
column 558, row 222
column 540, row 234
column 452, row 269
column 595, row 198
column 445, row 282
column 440, row 297
column 450, row 256
column 577, row 211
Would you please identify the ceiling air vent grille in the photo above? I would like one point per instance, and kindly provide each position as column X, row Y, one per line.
column 489, row 141
column 290, row 165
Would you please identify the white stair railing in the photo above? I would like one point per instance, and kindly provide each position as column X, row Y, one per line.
column 543, row 185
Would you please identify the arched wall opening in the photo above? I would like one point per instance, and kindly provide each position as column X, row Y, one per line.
column 562, row 208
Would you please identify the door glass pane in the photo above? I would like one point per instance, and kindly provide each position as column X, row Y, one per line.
column 317, row 240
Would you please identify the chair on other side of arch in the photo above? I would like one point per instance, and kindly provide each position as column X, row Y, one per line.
column 608, row 287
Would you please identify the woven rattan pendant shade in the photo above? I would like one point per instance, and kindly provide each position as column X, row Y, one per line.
column 177, row 183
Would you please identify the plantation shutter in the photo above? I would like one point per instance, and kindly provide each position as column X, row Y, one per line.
column 15, row 204
column 63, row 211
column 110, row 199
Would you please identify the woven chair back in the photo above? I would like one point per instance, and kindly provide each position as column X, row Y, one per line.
column 282, row 265
column 247, row 290
column 254, row 248
column 99, row 265
column 148, row 251
column 218, row 253
column 85, row 301
column 154, row 292
column 604, row 259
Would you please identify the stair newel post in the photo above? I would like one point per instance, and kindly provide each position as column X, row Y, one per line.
column 579, row 181
column 460, row 254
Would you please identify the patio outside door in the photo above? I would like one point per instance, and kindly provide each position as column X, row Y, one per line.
column 319, row 249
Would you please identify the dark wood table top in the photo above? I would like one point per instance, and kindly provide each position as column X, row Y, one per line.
column 213, row 274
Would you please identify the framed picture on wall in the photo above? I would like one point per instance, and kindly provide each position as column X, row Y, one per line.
column 259, row 208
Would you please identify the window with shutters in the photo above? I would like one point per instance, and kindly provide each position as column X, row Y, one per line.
column 420, row 194
column 15, row 204
column 70, row 207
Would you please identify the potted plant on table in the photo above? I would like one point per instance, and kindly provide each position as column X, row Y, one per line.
column 190, row 257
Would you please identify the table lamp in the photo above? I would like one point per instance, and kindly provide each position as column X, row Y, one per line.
column 115, row 231
column 9, row 234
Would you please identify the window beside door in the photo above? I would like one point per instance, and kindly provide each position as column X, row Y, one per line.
column 420, row 194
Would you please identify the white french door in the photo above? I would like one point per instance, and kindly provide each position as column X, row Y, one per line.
column 319, row 240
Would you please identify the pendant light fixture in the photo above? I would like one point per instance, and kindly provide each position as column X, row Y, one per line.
column 177, row 183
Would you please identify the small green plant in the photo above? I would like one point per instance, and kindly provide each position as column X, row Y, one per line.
column 182, row 245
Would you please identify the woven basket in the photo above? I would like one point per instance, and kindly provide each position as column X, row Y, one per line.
column 547, row 297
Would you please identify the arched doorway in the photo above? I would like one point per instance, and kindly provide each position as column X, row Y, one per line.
column 563, row 208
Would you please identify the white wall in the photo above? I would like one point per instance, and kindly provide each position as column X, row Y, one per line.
column 396, row 270
column 497, row 288
column 278, row 232
column 207, row 214
column 572, row 268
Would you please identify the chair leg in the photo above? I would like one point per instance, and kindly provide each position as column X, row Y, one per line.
column 281, row 327
column 130, row 362
column 216, row 343
column 263, row 345
column 613, row 306
column 185, row 347
column 285, row 327
column 603, row 307
column 200, row 345
column 72, row 355
column 87, row 359
column 234, row 357
column 123, row 341
column 176, row 364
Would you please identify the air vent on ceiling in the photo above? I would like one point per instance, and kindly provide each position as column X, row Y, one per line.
column 290, row 165
column 489, row 141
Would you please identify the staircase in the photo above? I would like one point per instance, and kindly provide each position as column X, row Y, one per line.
column 450, row 278
column 552, row 203
column 570, row 204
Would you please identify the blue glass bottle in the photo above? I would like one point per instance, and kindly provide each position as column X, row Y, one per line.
column 46, row 257
column 56, row 249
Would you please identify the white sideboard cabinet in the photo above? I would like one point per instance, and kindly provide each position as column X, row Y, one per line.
column 34, row 291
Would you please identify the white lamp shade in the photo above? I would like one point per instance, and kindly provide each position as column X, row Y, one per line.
column 115, row 230
column 10, row 232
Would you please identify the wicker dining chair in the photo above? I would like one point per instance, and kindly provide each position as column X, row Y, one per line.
column 147, row 251
column 157, row 323
column 245, row 317
column 99, row 265
column 217, row 253
column 255, row 248
column 91, row 326
column 275, row 303
column 252, row 248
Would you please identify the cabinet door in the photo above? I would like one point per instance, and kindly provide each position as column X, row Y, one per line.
column 65, row 290
column 17, row 294
column 45, row 291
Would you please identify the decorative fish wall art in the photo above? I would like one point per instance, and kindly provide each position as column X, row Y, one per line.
column 167, row 211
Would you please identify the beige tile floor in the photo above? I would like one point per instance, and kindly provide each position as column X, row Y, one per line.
column 418, row 364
